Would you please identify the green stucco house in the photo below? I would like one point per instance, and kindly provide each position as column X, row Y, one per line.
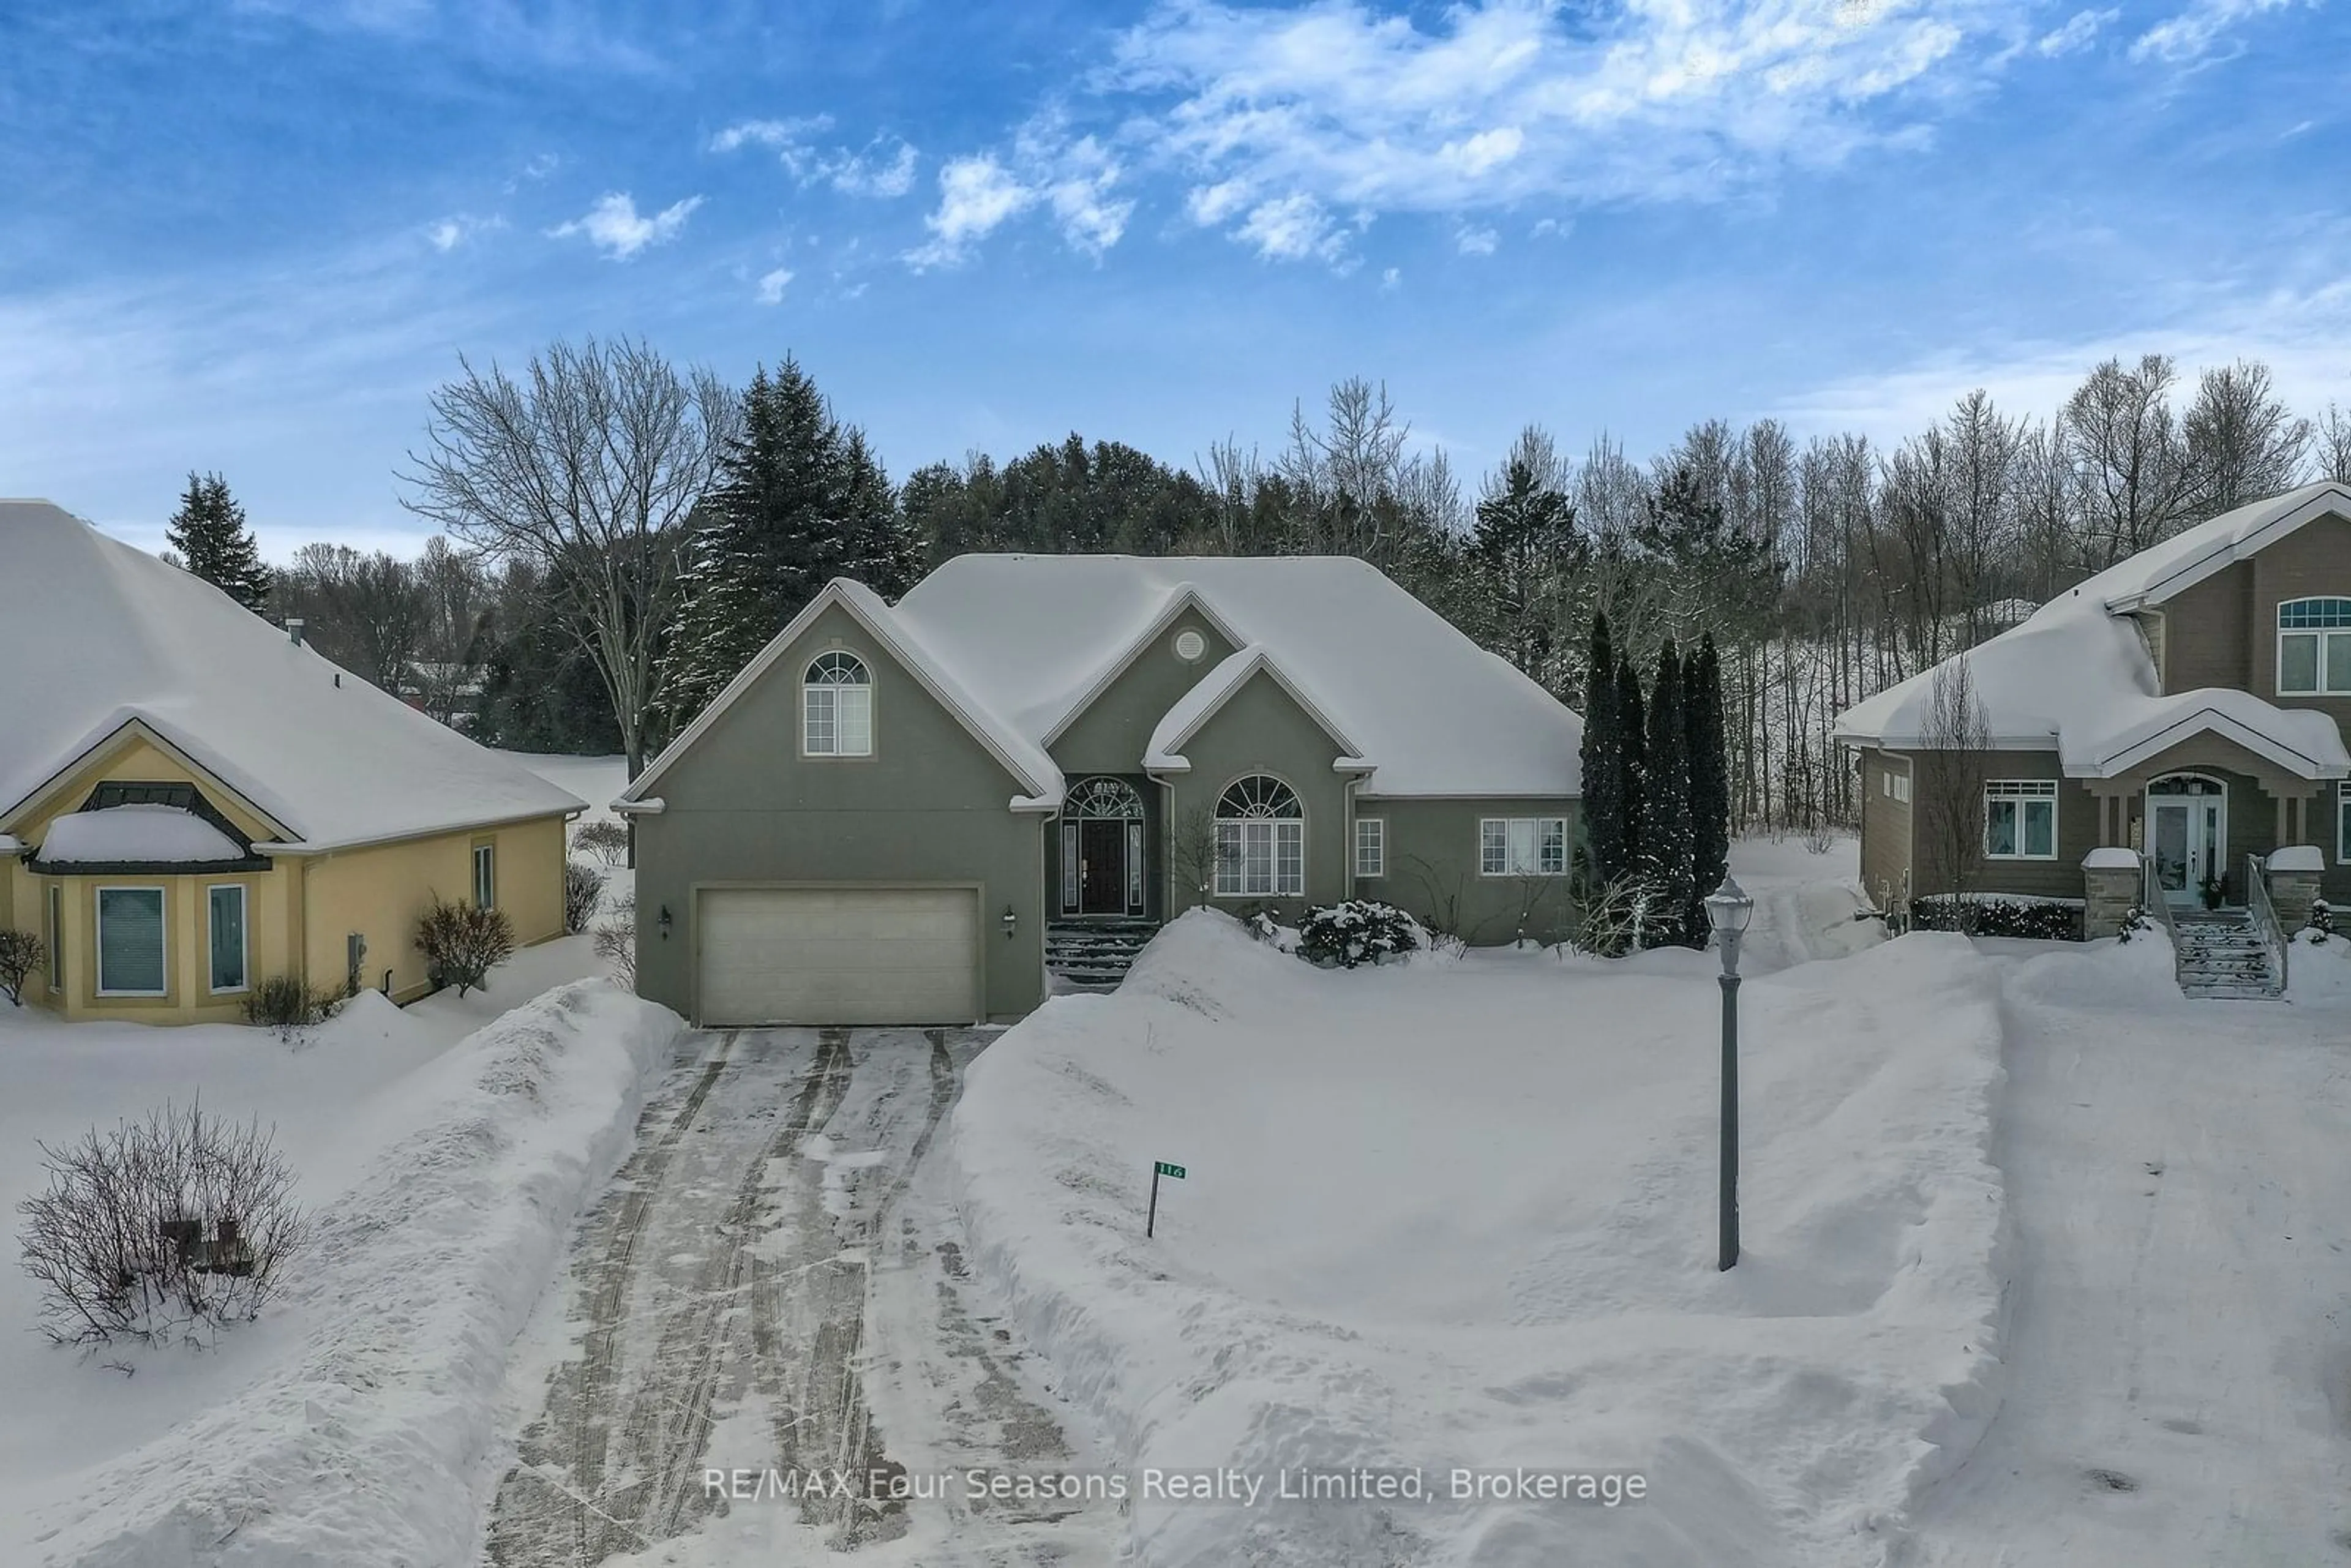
column 900, row 814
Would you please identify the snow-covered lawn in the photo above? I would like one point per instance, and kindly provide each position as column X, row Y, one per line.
column 595, row 780
column 445, row 1149
column 1462, row 1214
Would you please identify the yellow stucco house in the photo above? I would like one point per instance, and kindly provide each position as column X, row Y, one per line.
column 190, row 801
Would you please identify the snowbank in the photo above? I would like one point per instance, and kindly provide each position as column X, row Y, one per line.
column 1462, row 1216
column 360, row 1429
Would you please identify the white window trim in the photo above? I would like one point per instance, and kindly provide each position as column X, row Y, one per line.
column 1231, row 880
column 56, row 907
column 163, row 929
column 243, row 938
column 2321, row 633
column 1566, row 857
column 2342, row 838
column 833, row 688
column 2022, row 791
column 1378, row 846
column 492, row 878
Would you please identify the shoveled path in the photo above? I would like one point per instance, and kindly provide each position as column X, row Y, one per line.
column 717, row 1308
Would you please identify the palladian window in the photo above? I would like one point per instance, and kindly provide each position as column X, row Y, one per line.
column 1260, row 840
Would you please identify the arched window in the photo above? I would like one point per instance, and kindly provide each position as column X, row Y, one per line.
column 836, row 707
column 1260, row 840
column 2313, row 647
column 1103, row 800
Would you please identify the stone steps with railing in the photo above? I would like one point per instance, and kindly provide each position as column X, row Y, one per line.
column 1095, row 955
column 2223, row 954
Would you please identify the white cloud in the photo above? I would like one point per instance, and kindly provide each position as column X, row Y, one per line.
column 1391, row 280
column 613, row 226
column 2078, row 33
column 1485, row 103
column 976, row 195
column 772, row 286
column 2199, row 31
column 1477, row 241
column 1292, row 228
column 884, row 167
column 1076, row 180
column 446, row 235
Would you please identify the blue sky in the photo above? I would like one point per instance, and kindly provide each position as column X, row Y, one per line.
column 253, row 237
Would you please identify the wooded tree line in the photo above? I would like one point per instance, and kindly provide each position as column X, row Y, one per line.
column 627, row 534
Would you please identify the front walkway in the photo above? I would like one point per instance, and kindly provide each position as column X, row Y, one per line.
column 2178, row 1379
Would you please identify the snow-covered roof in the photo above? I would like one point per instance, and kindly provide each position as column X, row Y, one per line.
column 1197, row 706
column 1035, row 637
column 144, row 834
column 2078, row 678
column 100, row 635
column 1022, row 757
column 2188, row 558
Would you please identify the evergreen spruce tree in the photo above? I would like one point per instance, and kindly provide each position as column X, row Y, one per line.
column 799, row 501
column 1667, row 844
column 1632, row 764
column 209, row 535
column 1709, row 790
column 1603, row 822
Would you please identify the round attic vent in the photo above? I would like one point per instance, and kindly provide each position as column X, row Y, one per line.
column 1190, row 645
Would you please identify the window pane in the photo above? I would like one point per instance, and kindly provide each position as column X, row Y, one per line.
column 228, row 938
column 1493, row 857
column 1290, row 861
column 2339, row 662
column 56, row 940
column 1522, row 846
column 854, row 707
column 486, row 881
column 2298, row 661
column 131, row 939
column 2040, row 827
column 2341, row 822
column 1229, row 858
column 1069, row 865
column 820, row 720
column 1257, row 845
column 1370, row 845
column 1999, row 827
column 1555, row 846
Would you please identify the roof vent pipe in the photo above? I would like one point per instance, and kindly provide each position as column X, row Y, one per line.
column 294, row 629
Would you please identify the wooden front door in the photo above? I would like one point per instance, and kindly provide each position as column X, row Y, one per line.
column 1102, row 867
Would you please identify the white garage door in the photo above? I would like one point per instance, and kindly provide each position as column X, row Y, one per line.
column 839, row 956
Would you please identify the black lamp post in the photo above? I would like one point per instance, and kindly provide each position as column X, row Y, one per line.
column 1728, row 910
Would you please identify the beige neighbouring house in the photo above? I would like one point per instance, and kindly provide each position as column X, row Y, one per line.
column 2171, row 730
column 190, row 801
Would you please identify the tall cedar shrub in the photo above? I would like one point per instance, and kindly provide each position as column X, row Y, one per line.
column 1668, row 843
column 1632, row 764
column 1603, row 761
column 210, row 535
column 1710, row 779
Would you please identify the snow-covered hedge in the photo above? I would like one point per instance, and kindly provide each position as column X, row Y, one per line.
column 1999, row 914
column 1359, row 931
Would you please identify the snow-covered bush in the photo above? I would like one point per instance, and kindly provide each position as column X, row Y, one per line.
column 2322, row 920
column 21, row 952
column 1983, row 915
column 283, row 1002
column 161, row 1229
column 608, row 842
column 2135, row 920
column 1359, row 931
column 616, row 941
column 583, row 889
column 461, row 943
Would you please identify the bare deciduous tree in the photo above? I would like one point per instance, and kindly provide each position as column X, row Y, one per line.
column 2242, row 443
column 1950, row 765
column 2130, row 469
column 589, row 467
column 2334, row 440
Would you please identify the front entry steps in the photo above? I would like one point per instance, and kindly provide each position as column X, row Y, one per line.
column 1094, row 954
column 2222, row 956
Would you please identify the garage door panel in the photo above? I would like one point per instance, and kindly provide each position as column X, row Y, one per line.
column 838, row 956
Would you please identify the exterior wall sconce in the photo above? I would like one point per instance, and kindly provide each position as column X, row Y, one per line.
column 1011, row 922
column 663, row 922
